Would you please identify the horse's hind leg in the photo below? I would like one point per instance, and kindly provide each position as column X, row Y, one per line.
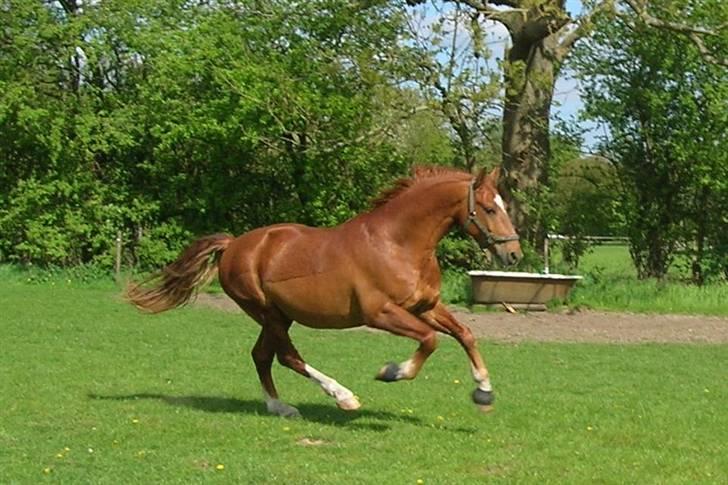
column 289, row 357
column 399, row 321
column 263, row 353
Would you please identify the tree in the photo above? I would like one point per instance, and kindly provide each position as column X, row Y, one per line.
column 159, row 119
column 542, row 34
column 665, row 108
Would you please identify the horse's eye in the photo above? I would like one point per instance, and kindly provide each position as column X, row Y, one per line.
column 490, row 210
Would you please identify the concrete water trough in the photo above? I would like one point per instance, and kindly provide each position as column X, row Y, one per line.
column 529, row 291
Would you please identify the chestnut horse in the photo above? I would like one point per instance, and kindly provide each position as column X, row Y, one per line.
column 378, row 269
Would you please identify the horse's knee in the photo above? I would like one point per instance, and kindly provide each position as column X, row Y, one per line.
column 467, row 338
column 260, row 354
column 429, row 343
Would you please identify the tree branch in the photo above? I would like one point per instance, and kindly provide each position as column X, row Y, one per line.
column 579, row 29
column 69, row 6
column 509, row 18
column 695, row 34
column 705, row 52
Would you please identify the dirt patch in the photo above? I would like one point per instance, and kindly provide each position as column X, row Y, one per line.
column 583, row 326
column 588, row 326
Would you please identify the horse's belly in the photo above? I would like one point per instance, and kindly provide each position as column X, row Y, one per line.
column 318, row 301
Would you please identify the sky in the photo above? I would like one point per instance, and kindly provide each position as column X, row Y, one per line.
column 567, row 100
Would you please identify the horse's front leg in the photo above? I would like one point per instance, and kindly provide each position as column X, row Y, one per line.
column 439, row 317
column 399, row 321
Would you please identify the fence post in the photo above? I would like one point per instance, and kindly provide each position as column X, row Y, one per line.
column 118, row 254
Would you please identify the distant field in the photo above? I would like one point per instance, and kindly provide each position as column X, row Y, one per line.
column 610, row 283
column 93, row 392
column 610, row 259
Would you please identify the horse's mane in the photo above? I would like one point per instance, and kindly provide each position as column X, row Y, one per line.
column 419, row 173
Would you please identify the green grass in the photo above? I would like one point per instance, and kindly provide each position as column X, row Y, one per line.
column 610, row 283
column 93, row 392
column 650, row 296
column 610, row 260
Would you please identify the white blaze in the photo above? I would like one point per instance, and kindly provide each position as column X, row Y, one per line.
column 499, row 202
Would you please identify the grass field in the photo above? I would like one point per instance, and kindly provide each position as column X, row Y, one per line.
column 93, row 392
column 610, row 283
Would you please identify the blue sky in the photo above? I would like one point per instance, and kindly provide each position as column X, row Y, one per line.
column 567, row 97
column 567, row 101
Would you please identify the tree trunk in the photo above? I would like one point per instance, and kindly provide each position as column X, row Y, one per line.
column 529, row 81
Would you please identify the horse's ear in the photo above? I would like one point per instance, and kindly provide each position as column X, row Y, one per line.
column 480, row 177
column 494, row 175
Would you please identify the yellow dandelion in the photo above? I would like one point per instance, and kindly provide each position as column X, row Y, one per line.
column 441, row 418
column 66, row 448
column 420, row 481
column 47, row 470
column 286, row 428
column 59, row 455
column 457, row 381
column 589, row 428
column 219, row 466
column 135, row 421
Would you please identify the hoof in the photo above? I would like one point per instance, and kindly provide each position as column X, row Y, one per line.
column 389, row 372
column 291, row 413
column 485, row 408
column 483, row 398
column 282, row 409
column 350, row 404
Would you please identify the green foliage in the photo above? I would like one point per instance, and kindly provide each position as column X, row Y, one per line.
column 78, row 276
column 665, row 109
column 455, row 289
column 458, row 251
column 162, row 122
column 586, row 202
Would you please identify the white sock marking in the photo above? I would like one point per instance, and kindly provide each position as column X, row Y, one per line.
column 329, row 385
column 406, row 369
column 483, row 382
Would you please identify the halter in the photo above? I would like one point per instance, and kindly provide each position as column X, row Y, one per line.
column 485, row 238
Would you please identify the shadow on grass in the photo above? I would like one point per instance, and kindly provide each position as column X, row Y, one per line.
column 318, row 413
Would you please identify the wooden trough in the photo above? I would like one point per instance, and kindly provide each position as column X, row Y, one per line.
column 528, row 291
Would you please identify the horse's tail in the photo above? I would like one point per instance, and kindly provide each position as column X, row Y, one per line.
column 178, row 282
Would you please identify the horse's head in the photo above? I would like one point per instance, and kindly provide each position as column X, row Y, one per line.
column 487, row 219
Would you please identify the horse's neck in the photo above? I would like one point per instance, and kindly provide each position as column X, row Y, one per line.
column 422, row 217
